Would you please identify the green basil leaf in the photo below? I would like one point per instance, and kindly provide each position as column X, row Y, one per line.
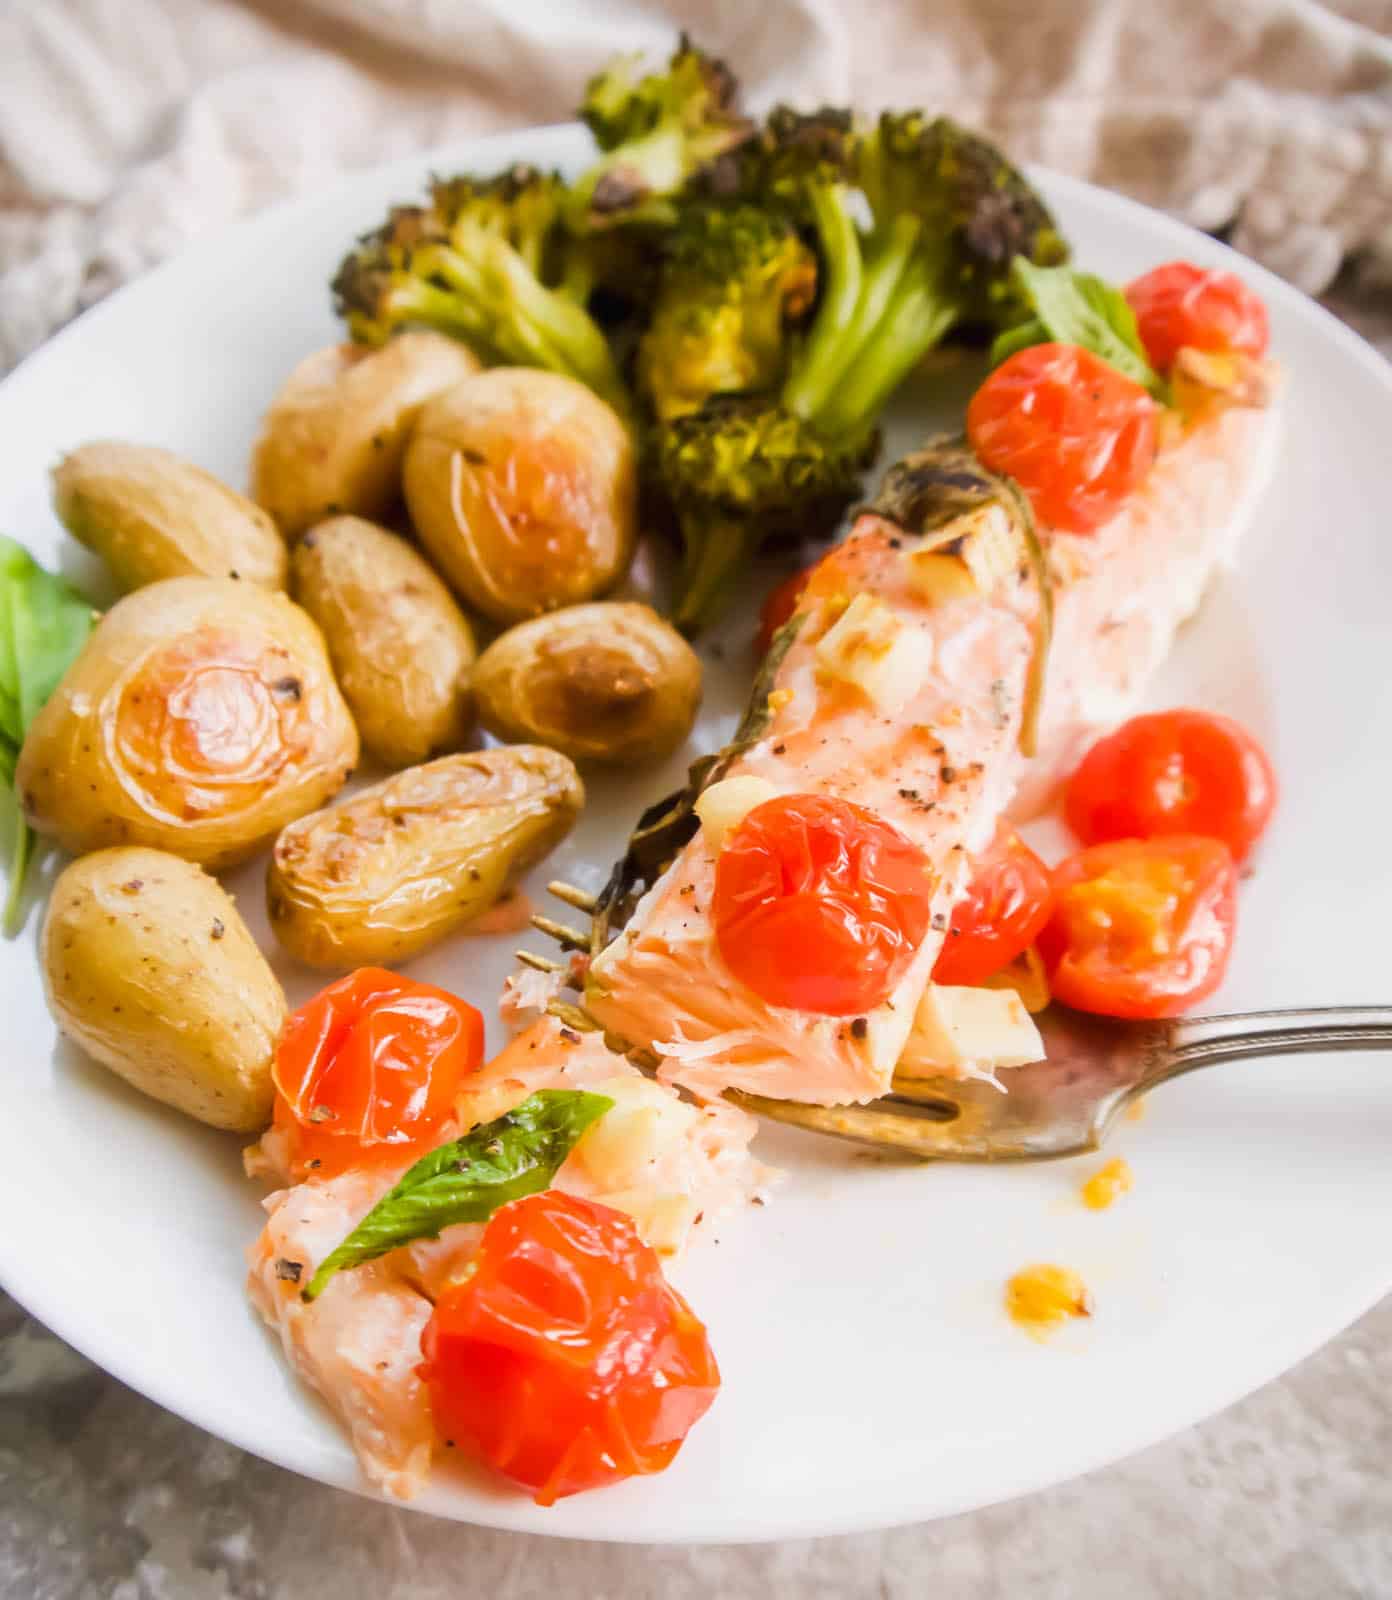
column 49, row 622
column 467, row 1180
column 1072, row 307
column 44, row 623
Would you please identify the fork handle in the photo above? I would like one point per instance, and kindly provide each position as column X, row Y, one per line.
column 1204, row 1041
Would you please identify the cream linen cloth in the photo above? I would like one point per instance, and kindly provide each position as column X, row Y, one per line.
column 129, row 126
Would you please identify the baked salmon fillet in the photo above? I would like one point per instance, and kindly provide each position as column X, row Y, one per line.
column 676, row 1168
column 933, row 676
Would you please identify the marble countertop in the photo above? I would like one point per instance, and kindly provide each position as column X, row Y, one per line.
column 104, row 1496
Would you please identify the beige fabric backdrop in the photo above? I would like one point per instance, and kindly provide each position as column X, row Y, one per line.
column 129, row 126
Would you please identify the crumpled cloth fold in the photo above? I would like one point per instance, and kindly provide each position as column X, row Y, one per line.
column 128, row 127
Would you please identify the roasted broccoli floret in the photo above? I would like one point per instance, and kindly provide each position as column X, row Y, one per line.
column 488, row 261
column 734, row 280
column 948, row 215
column 739, row 470
column 657, row 132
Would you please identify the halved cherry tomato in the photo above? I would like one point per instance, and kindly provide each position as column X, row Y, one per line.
column 1180, row 304
column 1076, row 435
column 780, row 605
column 369, row 1069
column 1007, row 902
column 564, row 1358
column 1174, row 772
column 819, row 904
column 1141, row 927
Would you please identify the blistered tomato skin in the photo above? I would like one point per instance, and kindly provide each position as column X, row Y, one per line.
column 820, row 905
column 1180, row 305
column 565, row 1360
column 1141, row 928
column 1005, row 906
column 1174, row 772
column 369, row 1069
column 1076, row 435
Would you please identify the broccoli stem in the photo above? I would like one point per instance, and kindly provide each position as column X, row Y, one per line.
column 566, row 338
column 715, row 555
column 823, row 356
column 915, row 319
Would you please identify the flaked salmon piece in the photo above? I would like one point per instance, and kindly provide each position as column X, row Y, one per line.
column 943, row 762
column 1122, row 593
column 358, row 1344
column 673, row 1166
column 936, row 762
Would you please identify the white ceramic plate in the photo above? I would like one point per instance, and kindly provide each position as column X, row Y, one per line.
column 870, row 1376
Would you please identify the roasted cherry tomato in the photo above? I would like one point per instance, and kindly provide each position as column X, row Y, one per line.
column 1181, row 304
column 1141, row 927
column 780, row 605
column 1006, row 903
column 1174, row 772
column 369, row 1069
column 819, row 904
column 1076, row 435
column 564, row 1358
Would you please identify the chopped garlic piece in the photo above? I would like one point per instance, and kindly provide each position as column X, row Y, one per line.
column 871, row 648
column 726, row 804
column 972, row 563
column 643, row 1121
column 1103, row 1187
column 1041, row 1297
column 958, row 1029
column 664, row 1220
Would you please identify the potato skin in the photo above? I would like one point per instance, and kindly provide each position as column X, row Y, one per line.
column 333, row 438
column 150, row 515
column 522, row 486
column 399, row 866
column 610, row 682
column 201, row 717
column 400, row 646
column 151, row 970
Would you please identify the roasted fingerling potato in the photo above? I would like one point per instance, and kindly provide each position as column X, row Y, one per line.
column 605, row 682
column 397, row 867
column 201, row 716
column 522, row 487
column 151, row 970
column 150, row 515
column 401, row 648
column 333, row 438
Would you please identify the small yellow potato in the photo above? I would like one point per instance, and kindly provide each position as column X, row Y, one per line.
column 399, row 866
column 150, row 515
column 201, row 716
column 400, row 646
column 609, row 682
column 151, row 970
column 522, row 487
column 334, row 436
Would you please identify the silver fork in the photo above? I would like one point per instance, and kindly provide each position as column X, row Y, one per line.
column 1064, row 1105
column 1067, row 1104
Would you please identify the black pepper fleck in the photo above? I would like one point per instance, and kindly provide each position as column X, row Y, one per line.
column 860, row 1027
column 218, row 928
column 290, row 1271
